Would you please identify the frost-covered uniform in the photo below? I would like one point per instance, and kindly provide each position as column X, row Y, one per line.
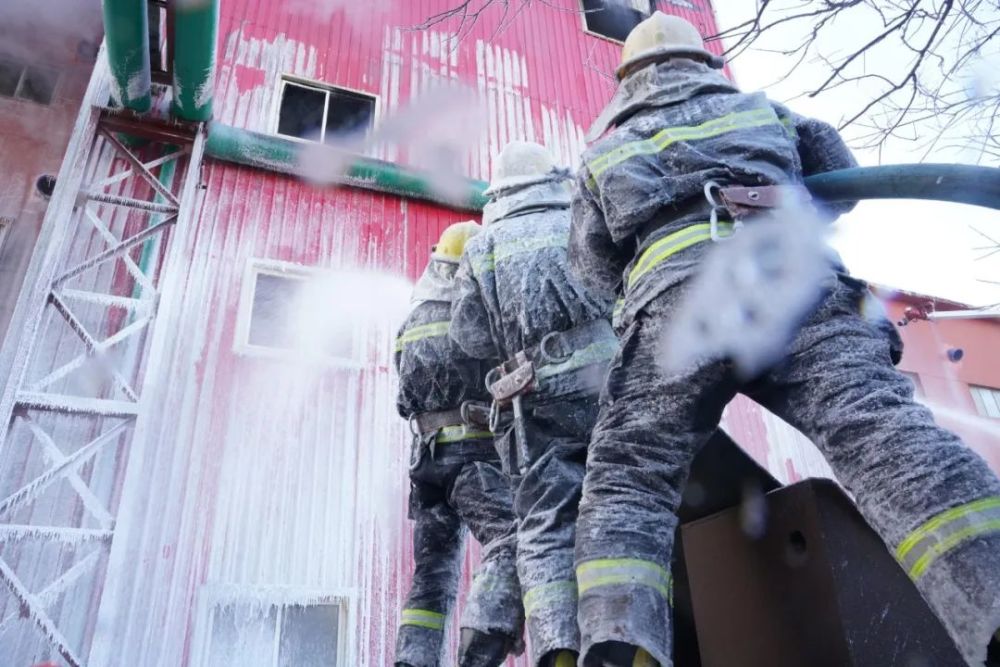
column 455, row 478
column 513, row 288
column 638, row 226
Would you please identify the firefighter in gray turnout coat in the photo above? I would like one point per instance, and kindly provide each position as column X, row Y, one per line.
column 517, row 300
column 642, row 227
column 455, row 479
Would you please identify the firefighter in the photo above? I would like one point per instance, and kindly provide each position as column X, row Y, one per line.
column 455, row 478
column 517, row 301
column 642, row 225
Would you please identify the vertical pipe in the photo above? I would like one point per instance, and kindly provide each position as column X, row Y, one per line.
column 126, row 28
column 195, row 28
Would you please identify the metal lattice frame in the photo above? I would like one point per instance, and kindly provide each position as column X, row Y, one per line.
column 33, row 410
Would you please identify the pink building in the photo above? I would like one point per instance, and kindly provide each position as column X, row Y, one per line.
column 186, row 478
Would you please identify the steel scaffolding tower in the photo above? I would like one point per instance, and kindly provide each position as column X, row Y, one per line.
column 76, row 358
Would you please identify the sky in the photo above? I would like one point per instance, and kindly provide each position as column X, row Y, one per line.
column 918, row 246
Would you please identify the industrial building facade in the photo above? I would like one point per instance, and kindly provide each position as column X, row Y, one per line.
column 185, row 477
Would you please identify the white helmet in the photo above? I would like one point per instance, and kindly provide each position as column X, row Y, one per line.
column 522, row 163
column 662, row 36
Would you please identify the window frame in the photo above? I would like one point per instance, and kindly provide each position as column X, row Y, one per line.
column 24, row 75
column 5, row 224
column 241, row 337
column 215, row 597
column 977, row 400
column 326, row 88
column 588, row 31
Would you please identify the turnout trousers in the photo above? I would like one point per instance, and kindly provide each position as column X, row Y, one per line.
column 547, row 474
column 934, row 502
column 452, row 484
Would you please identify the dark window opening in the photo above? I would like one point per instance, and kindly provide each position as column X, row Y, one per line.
column 615, row 19
column 38, row 85
column 323, row 114
column 348, row 113
column 10, row 76
column 27, row 82
column 302, row 112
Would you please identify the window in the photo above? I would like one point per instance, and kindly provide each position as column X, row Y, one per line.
column 987, row 401
column 26, row 82
column 615, row 19
column 287, row 310
column 322, row 113
column 276, row 634
column 5, row 225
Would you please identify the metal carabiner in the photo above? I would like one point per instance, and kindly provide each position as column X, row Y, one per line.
column 711, row 187
column 410, row 422
column 713, row 227
column 544, row 353
column 491, row 377
column 494, row 417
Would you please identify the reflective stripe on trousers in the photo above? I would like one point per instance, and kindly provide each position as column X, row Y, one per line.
column 423, row 618
column 946, row 531
column 430, row 330
column 671, row 244
column 624, row 571
column 559, row 594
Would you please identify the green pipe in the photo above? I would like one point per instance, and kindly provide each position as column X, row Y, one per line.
column 126, row 28
column 281, row 155
column 196, row 24
column 146, row 257
column 959, row 183
column 944, row 182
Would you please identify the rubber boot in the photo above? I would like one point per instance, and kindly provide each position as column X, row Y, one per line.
column 619, row 654
column 482, row 649
column 559, row 658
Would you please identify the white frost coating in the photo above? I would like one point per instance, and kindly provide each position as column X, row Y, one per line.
column 311, row 461
column 138, row 85
column 503, row 79
column 255, row 107
column 72, row 536
column 204, row 93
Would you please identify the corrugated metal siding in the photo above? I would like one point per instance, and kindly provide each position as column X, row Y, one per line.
column 263, row 477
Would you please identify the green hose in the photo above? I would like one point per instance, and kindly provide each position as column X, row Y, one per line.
column 958, row 183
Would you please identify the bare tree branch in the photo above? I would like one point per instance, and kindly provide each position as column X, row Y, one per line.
column 916, row 66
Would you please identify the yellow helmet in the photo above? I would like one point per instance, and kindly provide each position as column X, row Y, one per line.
column 661, row 36
column 453, row 239
column 521, row 163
